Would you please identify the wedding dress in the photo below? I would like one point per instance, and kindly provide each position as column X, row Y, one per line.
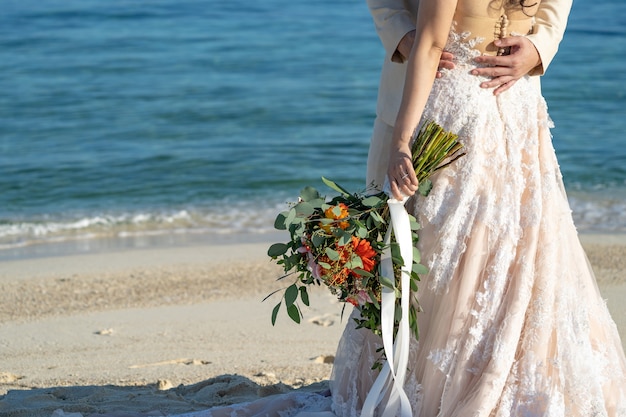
column 512, row 323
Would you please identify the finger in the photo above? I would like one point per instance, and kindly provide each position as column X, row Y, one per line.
column 494, row 60
column 496, row 82
column 395, row 192
column 509, row 41
column 446, row 64
column 504, row 87
column 447, row 56
column 493, row 72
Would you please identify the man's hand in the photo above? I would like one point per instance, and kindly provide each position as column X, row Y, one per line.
column 506, row 70
column 406, row 44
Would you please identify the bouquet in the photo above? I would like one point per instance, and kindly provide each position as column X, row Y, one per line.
column 339, row 241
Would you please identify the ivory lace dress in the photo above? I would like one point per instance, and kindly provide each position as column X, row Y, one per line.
column 513, row 324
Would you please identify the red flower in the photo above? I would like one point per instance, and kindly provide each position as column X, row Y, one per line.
column 365, row 251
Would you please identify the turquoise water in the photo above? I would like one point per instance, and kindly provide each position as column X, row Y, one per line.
column 132, row 119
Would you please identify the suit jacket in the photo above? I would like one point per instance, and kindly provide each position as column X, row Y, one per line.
column 395, row 18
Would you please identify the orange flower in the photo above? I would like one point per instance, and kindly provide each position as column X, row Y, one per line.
column 365, row 251
column 330, row 214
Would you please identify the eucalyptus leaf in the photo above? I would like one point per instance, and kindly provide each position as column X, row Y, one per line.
column 275, row 313
column 324, row 264
column 354, row 262
column 424, row 187
column 335, row 186
column 362, row 272
column 337, row 211
column 291, row 293
column 371, row 201
column 317, row 240
column 290, row 217
column 377, row 218
column 294, row 313
column 309, row 193
column 277, row 249
column 279, row 223
column 420, row 269
column 387, row 282
column 344, row 238
column 417, row 256
column 304, row 296
column 414, row 224
column 304, row 209
column 332, row 254
column 374, row 300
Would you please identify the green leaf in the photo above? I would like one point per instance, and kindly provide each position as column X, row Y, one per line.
column 304, row 295
column 290, row 217
column 344, row 238
column 318, row 240
column 294, row 313
column 419, row 269
column 374, row 300
column 277, row 249
column 275, row 313
column 414, row 224
column 387, row 282
column 354, row 262
column 332, row 254
column 316, row 202
column 371, row 201
column 361, row 232
column 279, row 223
column 309, row 193
column 363, row 272
column 413, row 284
column 324, row 264
column 425, row 187
column 291, row 293
column 304, row 209
column 335, row 186
column 417, row 256
column 377, row 217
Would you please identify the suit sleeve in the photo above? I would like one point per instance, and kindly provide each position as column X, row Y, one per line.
column 392, row 21
column 550, row 22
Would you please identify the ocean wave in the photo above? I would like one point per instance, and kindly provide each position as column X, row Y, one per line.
column 222, row 220
column 591, row 215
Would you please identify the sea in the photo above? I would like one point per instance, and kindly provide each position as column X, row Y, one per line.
column 130, row 123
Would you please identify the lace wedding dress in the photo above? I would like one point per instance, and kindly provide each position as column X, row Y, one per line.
column 512, row 323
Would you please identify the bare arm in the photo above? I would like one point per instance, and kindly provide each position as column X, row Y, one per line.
column 433, row 25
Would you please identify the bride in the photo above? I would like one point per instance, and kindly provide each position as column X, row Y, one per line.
column 512, row 323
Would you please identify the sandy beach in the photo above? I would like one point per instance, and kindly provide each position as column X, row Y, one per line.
column 173, row 330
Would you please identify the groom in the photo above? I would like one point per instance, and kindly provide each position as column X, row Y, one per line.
column 395, row 25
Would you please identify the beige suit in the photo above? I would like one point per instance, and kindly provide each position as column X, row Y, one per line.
column 394, row 19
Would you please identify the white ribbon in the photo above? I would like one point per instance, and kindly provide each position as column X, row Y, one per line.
column 390, row 382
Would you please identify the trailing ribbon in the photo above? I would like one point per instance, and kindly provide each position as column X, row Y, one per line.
column 389, row 384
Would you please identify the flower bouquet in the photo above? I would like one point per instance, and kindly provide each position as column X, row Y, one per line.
column 340, row 241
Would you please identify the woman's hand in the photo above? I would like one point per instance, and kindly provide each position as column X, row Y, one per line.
column 402, row 179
